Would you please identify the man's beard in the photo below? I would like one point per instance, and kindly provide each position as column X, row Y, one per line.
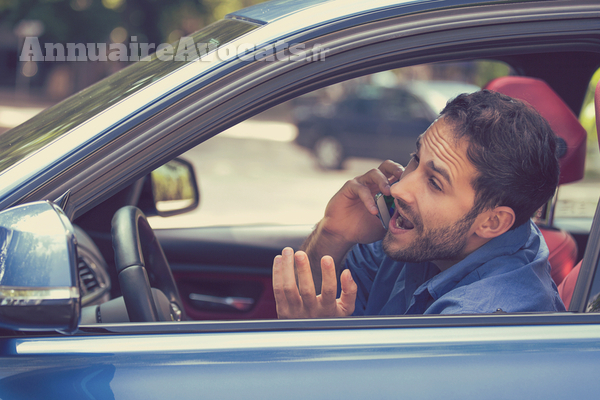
column 442, row 243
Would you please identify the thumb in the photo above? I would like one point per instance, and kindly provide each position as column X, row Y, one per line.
column 345, row 304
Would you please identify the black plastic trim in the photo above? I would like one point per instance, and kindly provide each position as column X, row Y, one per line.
column 422, row 321
column 233, row 270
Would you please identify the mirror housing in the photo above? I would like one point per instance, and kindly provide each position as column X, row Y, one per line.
column 39, row 285
column 174, row 189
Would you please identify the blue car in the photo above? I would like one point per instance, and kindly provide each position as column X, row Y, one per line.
column 109, row 290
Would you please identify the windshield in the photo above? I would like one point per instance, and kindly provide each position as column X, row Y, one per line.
column 50, row 124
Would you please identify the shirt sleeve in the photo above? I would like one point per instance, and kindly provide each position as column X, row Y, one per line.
column 363, row 261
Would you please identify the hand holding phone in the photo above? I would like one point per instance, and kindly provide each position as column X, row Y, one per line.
column 385, row 206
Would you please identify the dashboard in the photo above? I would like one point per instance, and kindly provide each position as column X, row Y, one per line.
column 94, row 279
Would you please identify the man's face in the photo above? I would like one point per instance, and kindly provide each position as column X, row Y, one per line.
column 433, row 198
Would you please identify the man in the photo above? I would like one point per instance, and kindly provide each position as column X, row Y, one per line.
column 461, row 239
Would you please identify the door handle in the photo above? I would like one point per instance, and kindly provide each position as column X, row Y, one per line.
column 238, row 303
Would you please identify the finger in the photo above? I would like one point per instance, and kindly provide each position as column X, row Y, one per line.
column 375, row 180
column 280, row 299
column 347, row 300
column 290, row 289
column 306, row 284
column 392, row 170
column 329, row 285
column 368, row 199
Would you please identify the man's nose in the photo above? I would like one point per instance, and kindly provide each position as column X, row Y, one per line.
column 405, row 188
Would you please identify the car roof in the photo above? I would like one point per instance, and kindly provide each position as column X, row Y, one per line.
column 319, row 11
column 272, row 10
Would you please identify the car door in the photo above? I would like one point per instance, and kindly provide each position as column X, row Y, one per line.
column 491, row 356
column 468, row 357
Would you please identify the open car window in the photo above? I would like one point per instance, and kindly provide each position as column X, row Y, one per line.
column 289, row 160
column 281, row 167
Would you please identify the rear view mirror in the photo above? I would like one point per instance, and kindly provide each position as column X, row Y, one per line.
column 39, row 286
column 174, row 188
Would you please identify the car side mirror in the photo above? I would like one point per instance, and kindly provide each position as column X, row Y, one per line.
column 174, row 189
column 39, row 285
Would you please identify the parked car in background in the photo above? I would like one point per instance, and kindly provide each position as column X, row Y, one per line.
column 371, row 120
column 95, row 304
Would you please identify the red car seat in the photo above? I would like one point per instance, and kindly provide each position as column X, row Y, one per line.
column 567, row 286
column 562, row 246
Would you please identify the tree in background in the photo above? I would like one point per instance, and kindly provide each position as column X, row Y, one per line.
column 100, row 21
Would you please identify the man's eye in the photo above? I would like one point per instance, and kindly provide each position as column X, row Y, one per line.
column 434, row 184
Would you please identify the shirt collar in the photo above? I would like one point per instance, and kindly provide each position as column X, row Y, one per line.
column 507, row 243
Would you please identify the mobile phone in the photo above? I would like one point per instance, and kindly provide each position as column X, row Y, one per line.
column 385, row 206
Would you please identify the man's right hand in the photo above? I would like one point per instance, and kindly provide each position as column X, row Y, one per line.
column 350, row 218
column 349, row 214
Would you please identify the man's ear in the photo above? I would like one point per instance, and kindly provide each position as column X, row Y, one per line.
column 495, row 222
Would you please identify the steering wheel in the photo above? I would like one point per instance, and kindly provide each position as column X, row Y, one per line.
column 140, row 260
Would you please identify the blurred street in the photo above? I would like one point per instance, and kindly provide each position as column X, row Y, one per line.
column 257, row 158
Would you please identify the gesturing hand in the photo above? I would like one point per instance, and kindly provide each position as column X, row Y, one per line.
column 300, row 300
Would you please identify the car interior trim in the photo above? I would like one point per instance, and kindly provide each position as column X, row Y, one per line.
column 420, row 321
column 221, row 269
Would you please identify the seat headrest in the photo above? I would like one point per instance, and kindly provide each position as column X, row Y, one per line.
column 565, row 124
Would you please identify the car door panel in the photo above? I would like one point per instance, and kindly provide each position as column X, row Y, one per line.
column 472, row 358
column 225, row 272
column 225, row 295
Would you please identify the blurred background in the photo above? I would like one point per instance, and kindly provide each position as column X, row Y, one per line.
column 90, row 21
column 275, row 156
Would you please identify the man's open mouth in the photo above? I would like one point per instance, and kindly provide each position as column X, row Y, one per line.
column 403, row 223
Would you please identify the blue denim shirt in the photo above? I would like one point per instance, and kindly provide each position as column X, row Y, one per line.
column 510, row 272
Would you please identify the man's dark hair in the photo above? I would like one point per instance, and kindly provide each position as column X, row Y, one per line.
column 513, row 149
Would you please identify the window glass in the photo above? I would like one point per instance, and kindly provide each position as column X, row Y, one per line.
column 53, row 122
column 282, row 166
